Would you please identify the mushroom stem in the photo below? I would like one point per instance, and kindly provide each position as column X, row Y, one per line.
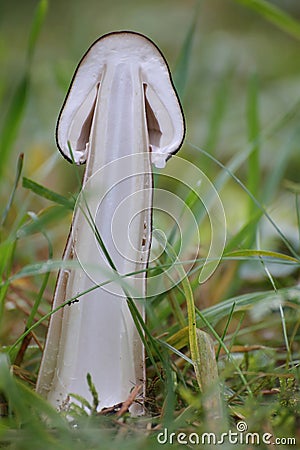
column 112, row 128
column 97, row 334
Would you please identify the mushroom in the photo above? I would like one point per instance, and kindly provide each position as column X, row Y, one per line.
column 121, row 113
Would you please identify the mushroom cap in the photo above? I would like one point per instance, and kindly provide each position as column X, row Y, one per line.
column 163, row 112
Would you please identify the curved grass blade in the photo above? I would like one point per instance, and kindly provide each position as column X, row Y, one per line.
column 44, row 192
column 218, row 110
column 181, row 71
column 37, row 23
column 257, row 203
column 12, row 195
column 192, row 328
column 18, row 103
column 275, row 15
column 24, row 344
column 253, row 182
column 13, row 120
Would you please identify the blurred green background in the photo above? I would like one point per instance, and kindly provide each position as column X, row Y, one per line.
column 230, row 44
column 228, row 39
column 238, row 77
column 232, row 51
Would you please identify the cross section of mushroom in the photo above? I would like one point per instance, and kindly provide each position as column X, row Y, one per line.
column 121, row 114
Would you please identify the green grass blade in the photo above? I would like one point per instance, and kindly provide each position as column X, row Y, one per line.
column 40, row 268
column 253, row 182
column 44, row 192
column 230, row 315
column 193, row 342
column 69, row 301
column 245, row 302
column 257, row 203
column 298, row 215
column 220, row 102
column 292, row 186
column 275, row 15
column 181, row 338
column 177, row 311
column 180, row 75
column 38, row 20
column 7, row 257
column 32, row 420
column 18, row 103
column 45, row 217
column 13, row 120
column 17, row 106
column 282, row 316
column 263, row 253
column 175, row 349
column 241, row 238
column 93, row 391
column 281, row 163
column 38, row 297
column 144, row 331
column 253, row 136
column 12, row 195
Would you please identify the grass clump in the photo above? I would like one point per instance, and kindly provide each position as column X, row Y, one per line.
column 247, row 313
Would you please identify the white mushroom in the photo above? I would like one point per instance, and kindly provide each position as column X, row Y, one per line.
column 121, row 113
